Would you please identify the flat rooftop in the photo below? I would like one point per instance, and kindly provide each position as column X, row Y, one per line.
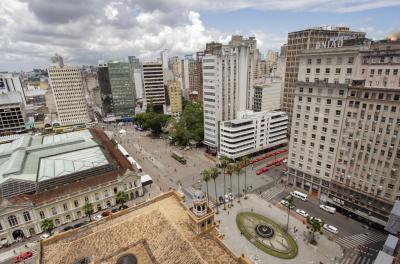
column 37, row 158
column 155, row 232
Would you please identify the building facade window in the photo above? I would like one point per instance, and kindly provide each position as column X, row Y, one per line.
column 27, row 216
column 12, row 220
column 41, row 214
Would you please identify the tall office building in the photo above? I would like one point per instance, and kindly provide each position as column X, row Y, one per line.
column 66, row 84
column 122, row 89
column 267, row 95
column 164, row 58
column 186, row 64
column 175, row 97
column 103, row 78
column 298, row 42
column 153, row 83
column 10, row 83
column 344, row 145
column 272, row 56
column 192, row 77
column 227, row 84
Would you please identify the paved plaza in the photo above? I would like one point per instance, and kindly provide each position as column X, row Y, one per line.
column 326, row 251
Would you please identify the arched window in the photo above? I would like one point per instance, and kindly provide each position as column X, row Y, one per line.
column 42, row 216
column 130, row 185
column 27, row 216
column 12, row 220
column 57, row 222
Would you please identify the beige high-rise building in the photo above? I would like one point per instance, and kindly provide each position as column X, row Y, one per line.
column 298, row 42
column 344, row 145
column 67, row 86
column 175, row 97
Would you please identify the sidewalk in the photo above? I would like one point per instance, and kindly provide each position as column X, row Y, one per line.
column 7, row 255
column 326, row 251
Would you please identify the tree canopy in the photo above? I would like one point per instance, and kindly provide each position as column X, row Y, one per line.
column 190, row 125
column 151, row 120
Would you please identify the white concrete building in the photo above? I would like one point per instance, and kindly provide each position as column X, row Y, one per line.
column 267, row 94
column 252, row 132
column 227, row 85
column 12, row 83
column 67, row 86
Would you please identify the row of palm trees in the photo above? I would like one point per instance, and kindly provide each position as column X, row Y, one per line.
column 228, row 167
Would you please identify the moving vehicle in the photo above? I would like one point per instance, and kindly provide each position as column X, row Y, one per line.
column 23, row 256
column 105, row 213
column 328, row 209
column 331, row 228
column 286, row 204
column 302, row 212
column 179, row 157
column 299, row 195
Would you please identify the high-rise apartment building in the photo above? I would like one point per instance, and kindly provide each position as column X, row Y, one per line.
column 186, row 65
column 298, row 42
column 272, row 56
column 153, row 83
column 192, row 77
column 67, row 86
column 175, row 97
column 121, row 88
column 344, row 145
column 227, row 84
column 103, row 78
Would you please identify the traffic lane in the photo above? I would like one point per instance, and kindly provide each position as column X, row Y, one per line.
column 346, row 226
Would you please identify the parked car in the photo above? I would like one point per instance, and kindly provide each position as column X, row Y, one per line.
column 68, row 228
column 316, row 218
column 44, row 236
column 226, row 198
column 286, row 204
column 105, row 213
column 98, row 217
column 23, row 256
column 79, row 225
column 122, row 207
column 302, row 212
column 331, row 228
column 230, row 196
column 328, row 209
column 221, row 199
column 114, row 210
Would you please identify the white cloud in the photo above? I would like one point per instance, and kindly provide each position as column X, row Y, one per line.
column 31, row 31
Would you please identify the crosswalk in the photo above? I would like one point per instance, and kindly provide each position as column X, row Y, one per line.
column 356, row 258
column 357, row 240
column 269, row 194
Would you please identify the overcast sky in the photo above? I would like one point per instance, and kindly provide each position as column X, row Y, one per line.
column 83, row 32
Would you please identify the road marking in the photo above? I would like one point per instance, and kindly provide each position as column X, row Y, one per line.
column 271, row 193
column 360, row 239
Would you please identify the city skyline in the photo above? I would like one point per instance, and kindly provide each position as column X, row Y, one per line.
column 103, row 30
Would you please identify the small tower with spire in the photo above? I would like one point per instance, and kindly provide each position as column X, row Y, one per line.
column 201, row 216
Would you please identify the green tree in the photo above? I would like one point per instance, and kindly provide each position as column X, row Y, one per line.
column 245, row 162
column 88, row 210
column 224, row 163
column 151, row 120
column 214, row 175
column 47, row 225
column 122, row 198
column 315, row 227
column 206, row 177
column 190, row 125
column 230, row 169
column 290, row 205
column 238, row 169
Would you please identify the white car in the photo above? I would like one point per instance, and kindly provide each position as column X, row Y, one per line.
column 328, row 209
column 44, row 236
column 331, row 229
column 98, row 217
column 226, row 198
column 230, row 196
column 286, row 204
column 317, row 219
column 302, row 212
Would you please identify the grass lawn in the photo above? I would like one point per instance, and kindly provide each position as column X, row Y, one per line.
column 278, row 229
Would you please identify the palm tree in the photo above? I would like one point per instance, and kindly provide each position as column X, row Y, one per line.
column 315, row 227
column 224, row 163
column 245, row 162
column 290, row 205
column 230, row 169
column 214, row 175
column 206, row 177
column 122, row 198
column 47, row 225
column 238, row 168
column 88, row 210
